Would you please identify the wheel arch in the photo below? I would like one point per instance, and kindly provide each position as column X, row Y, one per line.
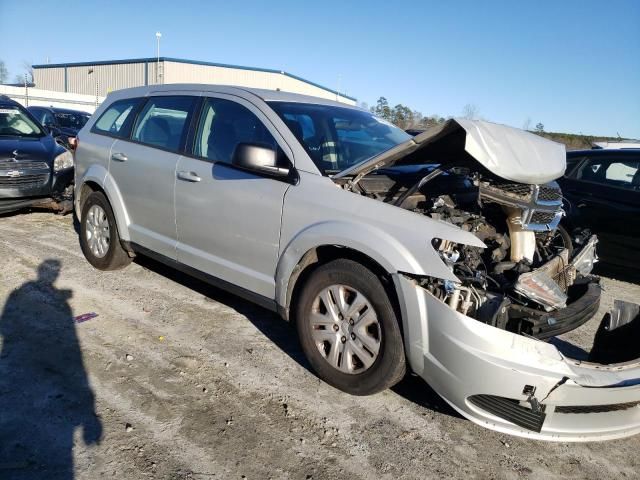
column 101, row 181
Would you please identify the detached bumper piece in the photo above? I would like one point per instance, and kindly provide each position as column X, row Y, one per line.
column 510, row 410
column 544, row 325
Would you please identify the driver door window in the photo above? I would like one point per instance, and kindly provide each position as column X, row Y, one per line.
column 223, row 125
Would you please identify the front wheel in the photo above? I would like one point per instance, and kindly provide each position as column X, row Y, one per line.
column 348, row 329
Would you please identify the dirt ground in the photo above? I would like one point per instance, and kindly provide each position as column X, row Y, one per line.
column 176, row 379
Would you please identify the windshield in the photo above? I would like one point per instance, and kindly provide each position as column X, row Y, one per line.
column 15, row 123
column 72, row 120
column 337, row 138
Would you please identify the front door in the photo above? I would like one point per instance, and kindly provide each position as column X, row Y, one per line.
column 228, row 220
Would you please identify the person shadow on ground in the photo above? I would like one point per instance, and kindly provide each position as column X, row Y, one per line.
column 44, row 390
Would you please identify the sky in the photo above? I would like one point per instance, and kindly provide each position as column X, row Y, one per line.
column 572, row 65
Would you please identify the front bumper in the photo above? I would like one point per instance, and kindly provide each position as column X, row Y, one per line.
column 53, row 193
column 465, row 360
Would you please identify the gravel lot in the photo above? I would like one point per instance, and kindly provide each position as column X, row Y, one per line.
column 176, row 379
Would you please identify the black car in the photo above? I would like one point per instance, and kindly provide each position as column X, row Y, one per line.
column 63, row 123
column 35, row 171
column 602, row 191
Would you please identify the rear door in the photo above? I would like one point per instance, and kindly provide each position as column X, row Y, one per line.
column 143, row 167
column 228, row 219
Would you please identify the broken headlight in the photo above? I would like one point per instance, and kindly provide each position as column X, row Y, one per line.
column 587, row 257
column 541, row 288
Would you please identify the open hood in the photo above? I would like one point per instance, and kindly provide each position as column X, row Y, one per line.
column 507, row 152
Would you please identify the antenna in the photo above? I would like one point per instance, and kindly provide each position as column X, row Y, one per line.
column 158, row 36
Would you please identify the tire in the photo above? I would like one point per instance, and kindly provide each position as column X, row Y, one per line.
column 563, row 234
column 98, row 222
column 333, row 345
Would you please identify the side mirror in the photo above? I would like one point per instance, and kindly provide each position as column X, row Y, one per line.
column 260, row 159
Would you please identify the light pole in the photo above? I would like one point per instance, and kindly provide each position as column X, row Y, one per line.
column 26, row 91
column 96, row 77
column 158, row 35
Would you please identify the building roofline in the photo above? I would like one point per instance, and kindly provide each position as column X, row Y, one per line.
column 191, row 62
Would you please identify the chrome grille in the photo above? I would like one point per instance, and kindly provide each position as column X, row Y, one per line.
column 541, row 205
column 24, row 181
column 517, row 189
column 542, row 217
column 549, row 194
column 23, row 165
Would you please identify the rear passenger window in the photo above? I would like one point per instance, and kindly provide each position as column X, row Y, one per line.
column 116, row 118
column 615, row 173
column 163, row 121
column 223, row 125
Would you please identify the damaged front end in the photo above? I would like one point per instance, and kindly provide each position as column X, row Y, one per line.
column 484, row 342
column 483, row 178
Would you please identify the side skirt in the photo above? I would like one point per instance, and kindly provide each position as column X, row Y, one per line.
column 264, row 302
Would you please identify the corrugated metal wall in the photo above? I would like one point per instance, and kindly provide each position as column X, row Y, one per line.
column 49, row 78
column 110, row 77
column 104, row 78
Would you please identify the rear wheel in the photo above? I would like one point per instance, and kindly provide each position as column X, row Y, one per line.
column 348, row 329
column 99, row 237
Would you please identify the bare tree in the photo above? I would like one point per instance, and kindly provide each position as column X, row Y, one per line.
column 28, row 69
column 527, row 124
column 4, row 73
column 471, row 111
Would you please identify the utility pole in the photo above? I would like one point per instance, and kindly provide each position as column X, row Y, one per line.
column 158, row 36
column 96, row 77
column 26, row 91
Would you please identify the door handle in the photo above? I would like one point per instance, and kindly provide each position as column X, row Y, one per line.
column 119, row 157
column 188, row 176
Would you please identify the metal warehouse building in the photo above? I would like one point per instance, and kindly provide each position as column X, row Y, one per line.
column 100, row 78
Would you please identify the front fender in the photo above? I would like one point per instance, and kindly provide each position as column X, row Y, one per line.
column 386, row 249
column 100, row 175
column 94, row 174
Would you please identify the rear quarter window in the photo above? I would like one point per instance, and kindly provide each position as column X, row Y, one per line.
column 116, row 120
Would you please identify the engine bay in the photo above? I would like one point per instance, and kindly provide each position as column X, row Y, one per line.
column 528, row 280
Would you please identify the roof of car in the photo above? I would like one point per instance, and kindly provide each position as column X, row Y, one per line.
column 58, row 110
column 8, row 102
column 266, row 95
column 596, row 152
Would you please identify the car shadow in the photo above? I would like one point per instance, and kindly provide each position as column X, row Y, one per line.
column 44, row 389
column 622, row 274
column 284, row 336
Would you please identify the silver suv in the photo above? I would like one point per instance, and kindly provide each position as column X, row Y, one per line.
column 439, row 253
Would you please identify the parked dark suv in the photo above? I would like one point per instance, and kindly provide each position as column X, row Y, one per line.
column 63, row 123
column 35, row 171
column 602, row 191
